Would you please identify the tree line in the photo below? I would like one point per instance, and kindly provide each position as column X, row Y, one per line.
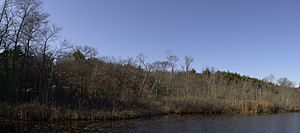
column 37, row 66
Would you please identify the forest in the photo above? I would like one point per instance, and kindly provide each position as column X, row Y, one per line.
column 45, row 77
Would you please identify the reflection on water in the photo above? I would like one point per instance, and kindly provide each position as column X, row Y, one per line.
column 277, row 123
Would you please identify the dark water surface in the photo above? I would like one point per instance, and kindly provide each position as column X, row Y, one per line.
column 275, row 123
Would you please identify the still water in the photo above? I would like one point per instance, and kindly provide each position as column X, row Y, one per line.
column 275, row 123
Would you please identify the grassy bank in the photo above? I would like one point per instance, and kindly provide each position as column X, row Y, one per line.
column 167, row 105
column 35, row 112
column 198, row 105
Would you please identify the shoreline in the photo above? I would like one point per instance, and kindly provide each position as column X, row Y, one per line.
column 14, row 121
column 166, row 106
column 118, row 125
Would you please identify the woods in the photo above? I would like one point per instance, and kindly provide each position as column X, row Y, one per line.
column 39, row 70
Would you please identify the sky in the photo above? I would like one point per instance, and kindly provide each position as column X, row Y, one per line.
column 251, row 37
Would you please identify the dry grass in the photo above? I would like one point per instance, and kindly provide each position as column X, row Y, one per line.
column 207, row 105
column 183, row 105
column 36, row 112
column 26, row 112
column 167, row 105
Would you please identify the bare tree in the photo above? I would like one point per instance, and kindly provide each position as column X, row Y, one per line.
column 6, row 23
column 270, row 78
column 285, row 82
column 141, row 59
column 27, row 19
column 188, row 63
column 187, row 67
column 47, row 34
column 172, row 59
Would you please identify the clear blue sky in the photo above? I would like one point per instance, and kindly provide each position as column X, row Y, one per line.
column 251, row 37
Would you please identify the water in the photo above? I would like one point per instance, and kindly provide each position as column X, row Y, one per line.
column 275, row 123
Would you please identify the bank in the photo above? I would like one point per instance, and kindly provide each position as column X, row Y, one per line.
column 165, row 106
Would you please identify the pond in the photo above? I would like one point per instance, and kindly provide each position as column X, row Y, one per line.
column 275, row 123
